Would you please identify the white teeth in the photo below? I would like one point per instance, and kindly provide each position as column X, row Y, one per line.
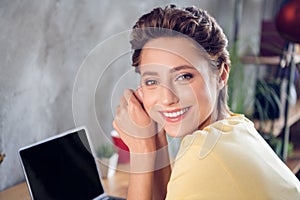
column 175, row 114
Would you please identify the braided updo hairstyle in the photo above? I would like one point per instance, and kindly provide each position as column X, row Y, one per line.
column 192, row 22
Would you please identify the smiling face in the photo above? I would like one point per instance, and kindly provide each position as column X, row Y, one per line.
column 179, row 90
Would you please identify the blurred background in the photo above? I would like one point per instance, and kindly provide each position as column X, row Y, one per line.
column 44, row 44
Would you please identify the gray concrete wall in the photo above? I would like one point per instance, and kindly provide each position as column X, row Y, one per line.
column 44, row 43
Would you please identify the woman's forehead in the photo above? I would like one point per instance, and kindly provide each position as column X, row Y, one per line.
column 172, row 52
column 177, row 45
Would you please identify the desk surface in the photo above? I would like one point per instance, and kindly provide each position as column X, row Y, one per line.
column 114, row 186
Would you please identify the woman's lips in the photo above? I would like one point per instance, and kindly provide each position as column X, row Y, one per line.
column 174, row 115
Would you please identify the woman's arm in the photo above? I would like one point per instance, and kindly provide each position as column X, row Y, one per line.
column 161, row 179
column 139, row 132
column 163, row 172
column 150, row 169
column 141, row 177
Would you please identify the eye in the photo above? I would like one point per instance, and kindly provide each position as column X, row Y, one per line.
column 151, row 82
column 183, row 77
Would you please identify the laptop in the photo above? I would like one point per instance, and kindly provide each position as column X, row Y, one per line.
column 62, row 167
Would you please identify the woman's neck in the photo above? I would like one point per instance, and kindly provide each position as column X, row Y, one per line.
column 215, row 116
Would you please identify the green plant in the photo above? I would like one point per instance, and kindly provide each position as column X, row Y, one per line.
column 105, row 151
column 265, row 97
column 236, row 90
column 240, row 97
column 274, row 142
column 267, row 102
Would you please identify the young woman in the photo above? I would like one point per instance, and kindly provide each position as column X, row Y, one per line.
column 184, row 66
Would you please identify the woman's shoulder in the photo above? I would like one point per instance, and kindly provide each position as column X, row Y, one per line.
column 227, row 130
column 230, row 124
column 231, row 152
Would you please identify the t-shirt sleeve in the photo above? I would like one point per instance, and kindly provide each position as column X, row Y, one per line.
column 207, row 178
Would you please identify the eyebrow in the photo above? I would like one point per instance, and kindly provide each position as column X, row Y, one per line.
column 175, row 69
column 149, row 73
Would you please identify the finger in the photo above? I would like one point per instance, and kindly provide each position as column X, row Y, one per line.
column 116, row 127
column 139, row 94
column 123, row 102
column 133, row 102
column 118, row 109
column 128, row 94
column 133, row 97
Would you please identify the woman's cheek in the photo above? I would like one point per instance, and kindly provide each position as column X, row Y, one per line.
column 152, row 108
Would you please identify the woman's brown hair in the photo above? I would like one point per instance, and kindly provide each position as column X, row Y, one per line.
column 192, row 22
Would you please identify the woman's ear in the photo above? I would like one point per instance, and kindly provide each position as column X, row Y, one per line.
column 223, row 74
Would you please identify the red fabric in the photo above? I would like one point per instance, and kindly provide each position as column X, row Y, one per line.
column 123, row 150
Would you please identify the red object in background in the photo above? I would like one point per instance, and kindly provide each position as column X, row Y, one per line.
column 288, row 21
column 123, row 150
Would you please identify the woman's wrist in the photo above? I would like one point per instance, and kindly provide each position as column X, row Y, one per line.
column 143, row 146
column 142, row 162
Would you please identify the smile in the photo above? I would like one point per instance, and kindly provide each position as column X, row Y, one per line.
column 174, row 115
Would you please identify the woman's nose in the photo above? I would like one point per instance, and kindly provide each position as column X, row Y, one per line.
column 168, row 96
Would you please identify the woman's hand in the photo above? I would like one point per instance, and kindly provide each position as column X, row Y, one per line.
column 134, row 125
column 148, row 148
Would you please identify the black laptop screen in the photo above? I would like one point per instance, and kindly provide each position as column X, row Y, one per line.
column 62, row 168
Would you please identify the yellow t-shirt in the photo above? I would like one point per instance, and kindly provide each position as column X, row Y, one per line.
column 229, row 160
